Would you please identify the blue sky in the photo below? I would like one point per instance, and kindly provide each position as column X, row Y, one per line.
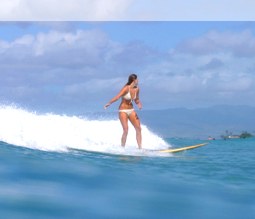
column 79, row 66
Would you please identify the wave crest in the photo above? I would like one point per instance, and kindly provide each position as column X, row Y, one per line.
column 53, row 132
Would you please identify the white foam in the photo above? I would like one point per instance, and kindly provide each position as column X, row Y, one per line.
column 52, row 132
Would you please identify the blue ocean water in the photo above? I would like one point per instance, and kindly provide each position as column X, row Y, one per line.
column 54, row 166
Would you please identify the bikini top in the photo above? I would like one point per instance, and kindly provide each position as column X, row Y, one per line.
column 127, row 96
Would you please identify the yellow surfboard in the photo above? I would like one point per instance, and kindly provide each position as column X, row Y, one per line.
column 175, row 150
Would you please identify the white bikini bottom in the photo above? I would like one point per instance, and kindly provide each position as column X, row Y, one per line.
column 127, row 111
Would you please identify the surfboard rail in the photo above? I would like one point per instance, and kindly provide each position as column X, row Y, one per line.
column 175, row 150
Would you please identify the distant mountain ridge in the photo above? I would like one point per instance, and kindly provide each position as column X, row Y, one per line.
column 200, row 122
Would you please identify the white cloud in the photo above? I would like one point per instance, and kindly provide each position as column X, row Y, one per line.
column 198, row 10
column 187, row 73
column 237, row 43
column 8, row 7
column 62, row 9
column 85, row 46
column 67, row 10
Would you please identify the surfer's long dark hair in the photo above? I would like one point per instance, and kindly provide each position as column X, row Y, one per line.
column 131, row 78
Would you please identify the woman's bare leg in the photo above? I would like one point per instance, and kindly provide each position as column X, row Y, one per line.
column 124, row 122
column 136, row 123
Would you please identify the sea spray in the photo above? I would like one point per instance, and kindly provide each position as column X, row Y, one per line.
column 53, row 132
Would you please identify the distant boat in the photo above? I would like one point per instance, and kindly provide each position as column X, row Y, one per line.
column 233, row 136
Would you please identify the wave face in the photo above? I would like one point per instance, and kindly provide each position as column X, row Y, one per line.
column 52, row 132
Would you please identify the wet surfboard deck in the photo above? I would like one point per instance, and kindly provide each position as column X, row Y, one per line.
column 143, row 152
